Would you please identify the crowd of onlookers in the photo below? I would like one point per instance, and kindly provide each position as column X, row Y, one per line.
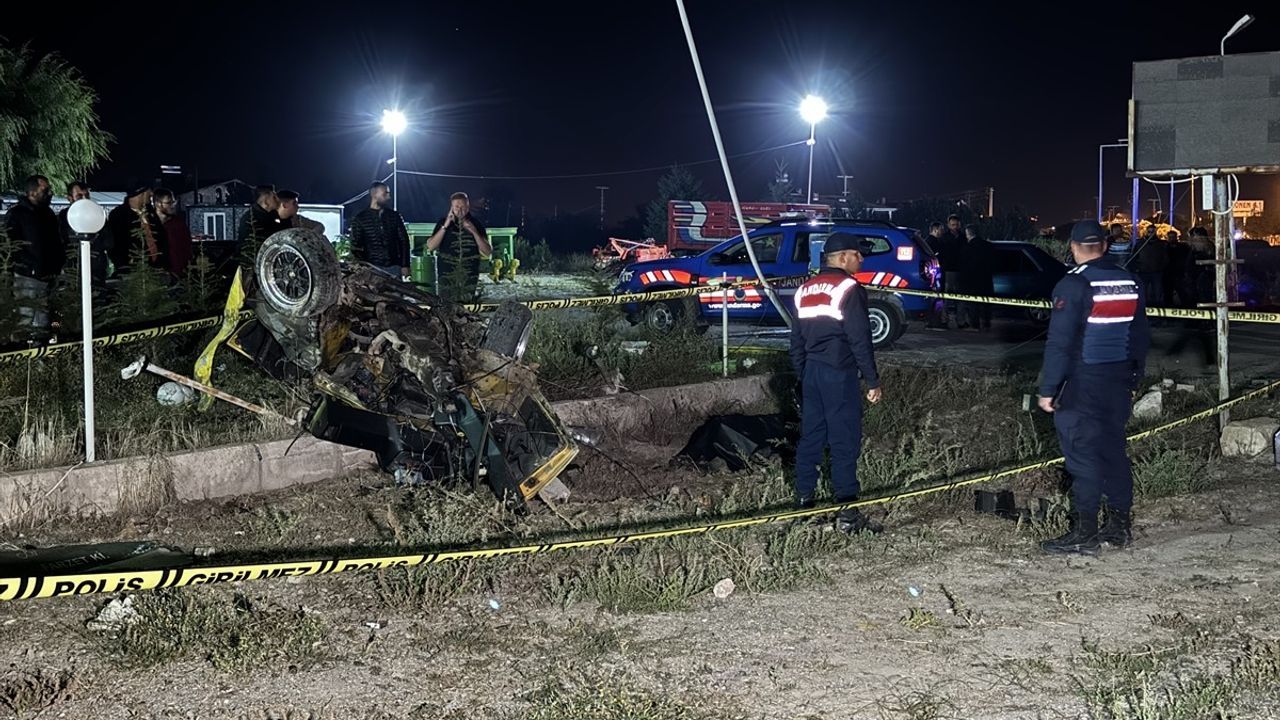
column 1172, row 270
column 147, row 228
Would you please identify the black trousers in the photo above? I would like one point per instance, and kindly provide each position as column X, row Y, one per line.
column 1093, row 409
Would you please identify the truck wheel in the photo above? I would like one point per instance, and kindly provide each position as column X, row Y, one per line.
column 887, row 323
column 297, row 273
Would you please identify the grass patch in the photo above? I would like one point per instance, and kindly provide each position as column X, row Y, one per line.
column 231, row 633
column 1202, row 675
column 605, row 699
column 1165, row 466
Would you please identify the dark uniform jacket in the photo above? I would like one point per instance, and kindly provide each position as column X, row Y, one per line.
column 256, row 226
column 33, row 229
column 832, row 327
column 379, row 237
column 1099, row 319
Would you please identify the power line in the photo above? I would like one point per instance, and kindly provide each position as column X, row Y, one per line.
column 637, row 171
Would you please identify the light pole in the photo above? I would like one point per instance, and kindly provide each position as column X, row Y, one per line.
column 813, row 109
column 1116, row 144
column 393, row 123
column 86, row 219
column 1241, row 24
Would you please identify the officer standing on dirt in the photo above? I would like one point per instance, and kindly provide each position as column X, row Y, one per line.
column 1094, row 360
column 831, row 354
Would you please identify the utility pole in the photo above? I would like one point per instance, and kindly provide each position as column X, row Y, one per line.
column 991, row 202
column 602, row 188
column 846, row 179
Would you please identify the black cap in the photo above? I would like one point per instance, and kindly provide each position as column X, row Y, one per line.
column 1087, row 232
column 136, row 188
column 841, row 241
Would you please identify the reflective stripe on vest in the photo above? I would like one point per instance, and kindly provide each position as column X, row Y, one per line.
column 822, row 298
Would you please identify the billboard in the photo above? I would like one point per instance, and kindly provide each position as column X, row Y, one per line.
column 1202, row 115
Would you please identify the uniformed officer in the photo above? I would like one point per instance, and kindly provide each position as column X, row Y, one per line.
column 1094, row 359
column 831, row 354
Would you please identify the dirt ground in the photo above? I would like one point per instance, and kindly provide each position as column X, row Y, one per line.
column 948, row 614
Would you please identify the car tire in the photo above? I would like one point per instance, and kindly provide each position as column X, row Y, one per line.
column 665, row 316
column 1039, row 316
column 297, row 273
column 887, row 322
column 508, row 331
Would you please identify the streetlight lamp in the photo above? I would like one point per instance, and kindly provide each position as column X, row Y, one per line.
column 86, row 219
column 1241, row 24
column 393, row 123
column 813, row 109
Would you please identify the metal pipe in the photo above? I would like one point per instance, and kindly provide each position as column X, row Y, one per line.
column 813, row 129
column 724, row 165
column 142, row 364
column 724, row 324
column 395, row 173
column 86, row 345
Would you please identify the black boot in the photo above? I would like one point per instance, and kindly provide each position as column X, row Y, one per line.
column 1081, row 538
column 1116, row 530
column 852, row 522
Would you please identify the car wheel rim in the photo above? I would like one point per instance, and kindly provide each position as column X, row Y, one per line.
column 879, row 326
column 660, row 318
column 288, row 281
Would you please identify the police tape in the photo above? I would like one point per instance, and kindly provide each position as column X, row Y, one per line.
column 56, row 349
column 716, row 286
column 1246, row 316
column 123, row 338
column 48, row 586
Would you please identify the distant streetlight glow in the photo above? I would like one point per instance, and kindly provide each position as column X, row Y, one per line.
column 393, row 123
column 813, row 109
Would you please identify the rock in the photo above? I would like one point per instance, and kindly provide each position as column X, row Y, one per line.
column 554, row 492
column 723, row 589
column 1250, row 438
column 117, row 614
column 1149, row 406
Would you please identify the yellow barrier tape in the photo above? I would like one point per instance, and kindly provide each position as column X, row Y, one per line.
column 124, row 338
column 622, row 299
column 54, row 350
column 32, row 587
column 1247, row 316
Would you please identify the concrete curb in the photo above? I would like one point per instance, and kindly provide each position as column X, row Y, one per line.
column 143, row 484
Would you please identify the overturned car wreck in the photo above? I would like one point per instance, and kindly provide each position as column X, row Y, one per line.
column 438, row 394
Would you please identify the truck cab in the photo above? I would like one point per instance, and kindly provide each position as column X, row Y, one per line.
column 788, row 249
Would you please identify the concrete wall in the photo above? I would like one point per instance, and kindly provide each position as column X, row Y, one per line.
column 143, row 484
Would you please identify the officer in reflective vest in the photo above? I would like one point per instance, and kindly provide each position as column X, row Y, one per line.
column 1094, row 360
column 831, row 354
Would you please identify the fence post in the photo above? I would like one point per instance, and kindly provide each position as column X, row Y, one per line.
column 724, row 324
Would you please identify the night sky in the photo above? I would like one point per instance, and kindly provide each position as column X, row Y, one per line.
column 926, row 97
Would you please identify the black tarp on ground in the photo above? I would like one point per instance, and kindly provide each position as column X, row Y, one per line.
column 736, row 439
column 99, row 557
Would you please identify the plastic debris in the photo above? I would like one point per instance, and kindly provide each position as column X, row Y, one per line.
column 913, row 591
column 494, row 604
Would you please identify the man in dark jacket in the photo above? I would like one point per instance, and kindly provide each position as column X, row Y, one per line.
column 1177, row 272
column 32, row 229
column 378, row 234
column 831, row 354
column 78, row 190
column 976, row 278
column 1094, row 360
column 460, row 240
column 133, row 228
column 260, row 223
column 951, row 250
column 1150, row 261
